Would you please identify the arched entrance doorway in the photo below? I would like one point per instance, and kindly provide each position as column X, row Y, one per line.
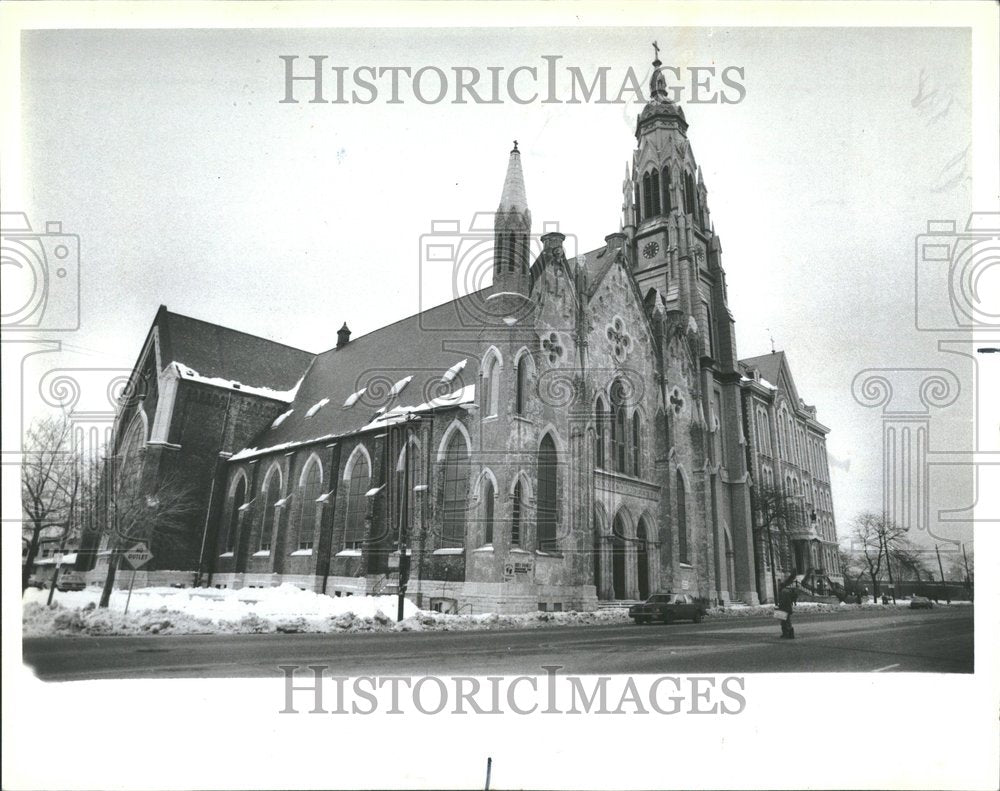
column 642, row 559
column 618, row 558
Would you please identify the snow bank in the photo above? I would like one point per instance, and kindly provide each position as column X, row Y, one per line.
column 202, row 610
column 288, row 609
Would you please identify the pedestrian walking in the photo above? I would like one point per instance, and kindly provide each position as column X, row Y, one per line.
column 786, row 603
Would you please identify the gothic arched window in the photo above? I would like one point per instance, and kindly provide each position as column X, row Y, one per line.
column 272, row 493
column 357, row 504
column 521, row 385
column 456, row 477
column 489, row 506
column 547, row 508
column 239, row 497
column 665, row 184
column 619, row 427
column 491, row 387
column 654, row 188
column 636, row 444
column 600, row 434
column 682, row 526
column 309, row 514
column 516, row 514
column 647, row 197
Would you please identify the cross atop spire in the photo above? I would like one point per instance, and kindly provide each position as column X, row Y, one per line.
column 656, row 55
column 513, row 196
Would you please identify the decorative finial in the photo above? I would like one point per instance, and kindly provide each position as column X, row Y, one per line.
column 772, row 339
column 515, row 146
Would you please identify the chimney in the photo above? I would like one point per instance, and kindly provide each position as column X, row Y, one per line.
column 343, row 336
column 553, row 241
column 615, row 241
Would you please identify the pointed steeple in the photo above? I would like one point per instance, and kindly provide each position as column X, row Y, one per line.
column 514, row 197
column 512, row 230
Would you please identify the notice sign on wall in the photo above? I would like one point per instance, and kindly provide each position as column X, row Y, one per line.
column 517, row 571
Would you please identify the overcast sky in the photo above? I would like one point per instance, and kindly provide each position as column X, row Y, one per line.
column 192, row 186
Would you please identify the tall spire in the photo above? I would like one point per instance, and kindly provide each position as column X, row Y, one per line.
column 514, row 197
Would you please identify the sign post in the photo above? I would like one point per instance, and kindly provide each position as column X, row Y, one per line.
column 55, row 578
column 137, row 557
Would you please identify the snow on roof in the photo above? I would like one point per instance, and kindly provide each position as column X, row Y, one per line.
column 247, row 453
column 353, row 397
column 398, row 387
column 68, row 559
column 281, row 418
column 186, row 372
column 452, row 372
column 317, row 407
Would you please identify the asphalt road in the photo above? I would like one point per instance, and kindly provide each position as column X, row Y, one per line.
column 936, row 641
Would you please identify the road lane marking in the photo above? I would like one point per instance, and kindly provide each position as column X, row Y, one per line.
column 887, row 667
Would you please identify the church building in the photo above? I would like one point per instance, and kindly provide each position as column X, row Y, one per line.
column 579, row 431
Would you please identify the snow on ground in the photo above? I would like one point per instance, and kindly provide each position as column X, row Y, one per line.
column 288, row 609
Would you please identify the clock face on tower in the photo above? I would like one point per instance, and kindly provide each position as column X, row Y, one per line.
column 651, row 249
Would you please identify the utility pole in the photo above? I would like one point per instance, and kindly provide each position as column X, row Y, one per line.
column 404, row 515
column 941, row 569
column 968, row 574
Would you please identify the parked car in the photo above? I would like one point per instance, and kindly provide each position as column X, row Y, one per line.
column 667, row 607
column 70, row 581
column 921, row 603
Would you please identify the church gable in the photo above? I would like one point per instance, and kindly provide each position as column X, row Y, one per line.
column 619, row 327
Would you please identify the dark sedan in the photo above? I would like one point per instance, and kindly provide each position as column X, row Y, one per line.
column 921, row 603
column 667, row 607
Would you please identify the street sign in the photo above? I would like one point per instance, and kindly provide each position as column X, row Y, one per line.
column 138, row 556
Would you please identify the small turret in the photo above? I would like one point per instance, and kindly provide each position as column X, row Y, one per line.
column 343, row 336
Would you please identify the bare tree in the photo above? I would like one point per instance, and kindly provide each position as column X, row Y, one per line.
column 50, row 488
column 852, row 567
column 909, row 559
column 774, row 512
column 135, row 508
column 877, row 537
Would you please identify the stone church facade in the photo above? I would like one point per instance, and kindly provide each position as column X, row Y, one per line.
column 573, row 433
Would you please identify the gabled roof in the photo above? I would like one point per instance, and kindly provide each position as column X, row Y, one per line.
column 595, row 265
column 769, row 365
column 422, row 355
column 216, row 352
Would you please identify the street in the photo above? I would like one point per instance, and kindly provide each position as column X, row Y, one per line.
column 935, row 641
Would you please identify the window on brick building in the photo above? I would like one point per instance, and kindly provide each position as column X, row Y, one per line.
column 516, row 514
column 636, row 444
column 310, row 511
column 547, row 508
column 269, row 514
column 489, row 507
column 682, row 526
column 665, row 184
column 456, row 478
column 233, row 528
column 619, row 427
column 600, row 434
column 491, row 387
column 520, row 396
column 357, row 503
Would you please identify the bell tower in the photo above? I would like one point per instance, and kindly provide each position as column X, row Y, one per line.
column 512, row 230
